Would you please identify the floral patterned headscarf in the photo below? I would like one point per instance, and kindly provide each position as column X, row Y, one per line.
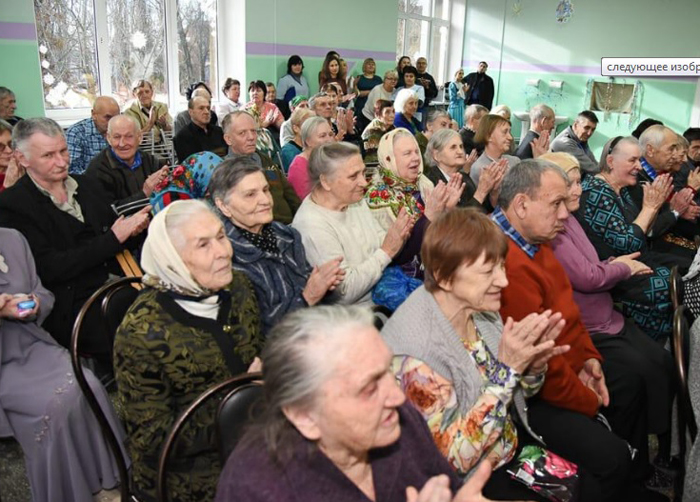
column 387, row 188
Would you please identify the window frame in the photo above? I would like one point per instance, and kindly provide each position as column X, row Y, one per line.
column 434, row 23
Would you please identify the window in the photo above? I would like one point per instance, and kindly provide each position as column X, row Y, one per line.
column 101, row 47
column 423, row 30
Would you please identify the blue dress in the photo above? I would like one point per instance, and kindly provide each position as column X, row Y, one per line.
column 456, row 107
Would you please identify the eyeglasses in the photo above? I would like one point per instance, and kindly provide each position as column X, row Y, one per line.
column 613, row 144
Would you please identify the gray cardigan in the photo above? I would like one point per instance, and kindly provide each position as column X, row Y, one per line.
column 419, row 329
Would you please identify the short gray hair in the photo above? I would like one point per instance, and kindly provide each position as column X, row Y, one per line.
column 313, row 99
column 228, row 174
column 391, row 74
column 436, row 114
column 603, row 163
column 437, row 142
column 474, row 111
column 526, row 178
column 230, row 117
column 300, row 355
column 327, row 158
column 540, row 111
column 4, row 92
column 299, row 116
column 309, row 127
column 26, row 128
column 132, row 120
column 5, row 127
column 653, row 136
column 179, row 213
column 403, row 97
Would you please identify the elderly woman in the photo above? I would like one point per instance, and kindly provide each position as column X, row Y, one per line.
column 436, row 120
column 265, row 113
column 293, row 147
column 455, row 96
column 195, row 324
column 10, row 169
column 618, row 339
column 503, row 111
column 315, row 132
column 459, row 365
column 269, row 253
column 41, row 405
column 616, row 227
column 286, row 132
column 446, row 159
column 151, row 115
column 494, row 134
column 335, row 221
column 293, row 83
column 383, row 122
column 385, row 91
column 230, row 99
column 334, row 425
column 406, row 105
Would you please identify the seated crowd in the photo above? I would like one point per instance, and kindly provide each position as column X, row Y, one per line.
column 528, row 288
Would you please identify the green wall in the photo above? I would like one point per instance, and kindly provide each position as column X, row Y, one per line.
column 276, row 29
column 529, row 43
column 19, row 56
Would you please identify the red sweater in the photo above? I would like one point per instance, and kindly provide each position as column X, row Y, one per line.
column 535, row 285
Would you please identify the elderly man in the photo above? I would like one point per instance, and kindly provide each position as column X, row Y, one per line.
column 480, row 87
column 240, row 135
column 472, row 119
column 574, row 140
column 200, row 135
column 127, row 174
column 151, row 115
column 8, row 105
column 183, row 118
column 72, row 231
column 88, row 138
column 429, row 86
column 541, row 124
column 532, row 210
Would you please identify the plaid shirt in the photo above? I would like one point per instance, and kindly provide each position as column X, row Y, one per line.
column 500, row 219
column 84, row 143
column 648, row 169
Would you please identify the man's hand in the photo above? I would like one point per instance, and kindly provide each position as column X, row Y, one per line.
column 592, row 377
column 124, row 228
column 152, row 181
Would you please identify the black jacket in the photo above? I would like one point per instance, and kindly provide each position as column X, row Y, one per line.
column 72, row 259
column 484, row 85
column 192, row 139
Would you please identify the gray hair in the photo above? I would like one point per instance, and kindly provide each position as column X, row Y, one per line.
column 526, row 178
column 327, row 158
column 603, row 163
column 4, row 92
column 683, row 143
column 391, row 74
column 653, row 136
column 309, row 127
column 26, row 128
column 179, row 213
column 403, row 97
column 299, row 116
column 228, row 174
column 538, row 112
column 300, row 355
column 437, row 142
column 313, row 99
column 5, row 126
column 436, row 114
column 501, row 110
column 230, row 117
column 474, row 111
column 132, row 120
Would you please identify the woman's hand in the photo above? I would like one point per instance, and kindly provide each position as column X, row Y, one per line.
column 323, row 279
column 656, row 193
column 469, row 161
column 525, row 341
column 540, row 145
column 436, row 489
column 9, row 306
column 551, row 332
column 490, row 178
column 455, row 189
column 636, row 267
column 350, row 121
column 255, row 366
column 397, row 234
column 436, row 201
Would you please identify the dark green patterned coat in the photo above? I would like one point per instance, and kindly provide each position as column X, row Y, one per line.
column 164, row 358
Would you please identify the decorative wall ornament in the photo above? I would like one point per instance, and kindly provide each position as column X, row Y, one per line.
column 611, row 96
column 517, row 8
column 564, row 12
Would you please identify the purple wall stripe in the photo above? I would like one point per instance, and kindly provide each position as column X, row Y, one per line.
column 17, row 31
column 267, row 49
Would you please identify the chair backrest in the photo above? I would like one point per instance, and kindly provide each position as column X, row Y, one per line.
column 114, row 299
column 381, row 316
column 214, row 392
column 676, row 288
column 236, row 410
column 681, row 351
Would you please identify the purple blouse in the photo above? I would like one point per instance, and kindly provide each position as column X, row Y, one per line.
column 590, row 278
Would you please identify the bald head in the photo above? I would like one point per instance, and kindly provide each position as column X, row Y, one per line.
column 103, row 110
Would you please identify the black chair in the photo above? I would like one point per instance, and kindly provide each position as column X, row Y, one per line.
column 114, row 300
column 676, row 288
column 236, row 410
column 214, row 392
column 381, row 316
